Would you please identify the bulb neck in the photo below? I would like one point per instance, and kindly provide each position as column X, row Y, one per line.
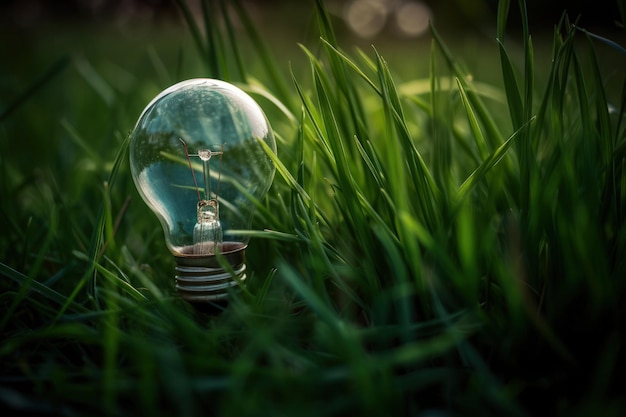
column 203, row 278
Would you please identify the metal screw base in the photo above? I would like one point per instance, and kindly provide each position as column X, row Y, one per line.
column 201, row 278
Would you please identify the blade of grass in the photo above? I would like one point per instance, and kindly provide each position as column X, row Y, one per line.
column 40, row 288
column 321, row 309
column 269, row 62
column 233, row 42
column 479, row 138
column 439, row 112
column 479, row 173
column 159, row 66
column 96, row 81
column 73, row 331
column 80, row 141
column 265, row 93
column 284, row 172
column 215, row 50
column 196, row 34
column 552, row 92
column 419, row 233
column 514, row 100
column 619, row 48
column 374, row 168
column 347, row 185
column 428, row 193
column 97, row 239
column 353, row 111
column 525, row 145
column 26, row 284
column 314, row 115
column 503, row 14
column 351, row 64
column 605, row 137
column 620, row 118
column 492, row 132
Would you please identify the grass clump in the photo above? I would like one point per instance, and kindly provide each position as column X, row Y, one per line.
column 439, row 246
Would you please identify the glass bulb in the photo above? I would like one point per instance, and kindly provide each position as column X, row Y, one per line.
column 197, row 162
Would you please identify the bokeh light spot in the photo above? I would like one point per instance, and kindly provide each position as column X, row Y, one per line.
column 366, row 17
column 412, row 18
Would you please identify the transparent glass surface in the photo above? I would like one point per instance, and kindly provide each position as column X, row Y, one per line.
column 199, row 141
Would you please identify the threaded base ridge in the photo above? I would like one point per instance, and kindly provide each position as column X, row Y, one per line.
column 201, row 278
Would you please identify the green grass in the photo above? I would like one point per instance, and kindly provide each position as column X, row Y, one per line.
column 446, row 245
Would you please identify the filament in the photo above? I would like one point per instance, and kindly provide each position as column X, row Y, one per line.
column 191, row 168
column 219, row 173
column 207, row 177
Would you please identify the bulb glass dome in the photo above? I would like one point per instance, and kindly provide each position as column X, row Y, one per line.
column 197, row 162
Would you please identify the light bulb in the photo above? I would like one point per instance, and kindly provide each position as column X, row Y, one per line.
column 197, row 162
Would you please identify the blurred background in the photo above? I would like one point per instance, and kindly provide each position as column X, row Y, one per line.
column 366, row 18
column 94, row 64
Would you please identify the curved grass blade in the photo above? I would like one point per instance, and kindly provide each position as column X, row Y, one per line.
column 428, row 193
column 41, row 289
column 514, row 100
column 351, row 64
column 477, row 133
column 196, row 34
column 479, row 173
column 503, row 13
column 269, row 62
column 619, row 48
column 490, row 126
column 27, row 283
column 98, row 238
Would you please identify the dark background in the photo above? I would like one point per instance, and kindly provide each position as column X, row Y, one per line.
column 542, row 13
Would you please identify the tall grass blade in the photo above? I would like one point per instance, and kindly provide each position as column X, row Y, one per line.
column 27, row 283
column 351, row 64
column 438, row 112
column 492, row 132
column 427, row 191
column 96, row 81
column 503, row 14
column 284, row 172
column 39, row 288
column 353, row 111
column 196, row 34
column 311, row 299
column 214, row 48
column 233, row 42
column 513, row 96
column 97, row 240
column 269, row 62
column 324, row 24
column 333, row 134
column 621, row 116
column 479, row 173
column 479, row 138
column 619, row 48
column 603, row 124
